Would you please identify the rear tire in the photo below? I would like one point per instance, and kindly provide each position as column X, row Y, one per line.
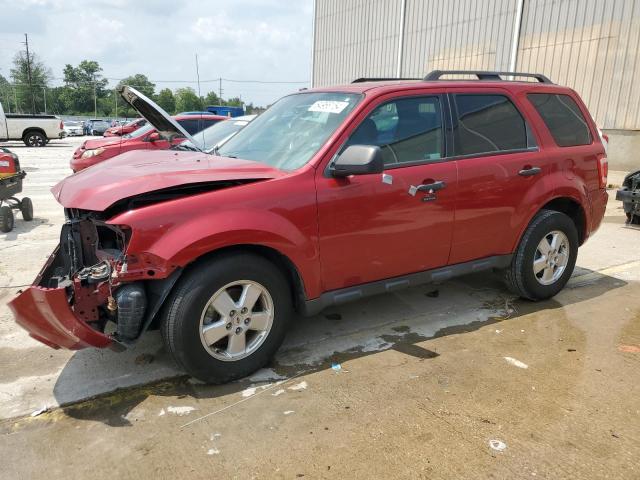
column 203, row 341
column 26, row 208
column 6, row 219
column 34, row 139
column 545, row 258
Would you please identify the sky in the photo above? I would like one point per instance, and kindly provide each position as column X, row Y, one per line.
column 265, row 40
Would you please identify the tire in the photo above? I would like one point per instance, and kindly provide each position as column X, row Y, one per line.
column 6, row 219
column 26, row 208
column 34, row 139
column 521, row 276
column 185, row 316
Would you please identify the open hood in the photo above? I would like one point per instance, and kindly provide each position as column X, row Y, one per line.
column 136, row 172
column 154, row 114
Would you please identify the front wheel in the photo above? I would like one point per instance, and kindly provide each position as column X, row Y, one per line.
column 227, row 317
column 26, row 208
column 545, row 258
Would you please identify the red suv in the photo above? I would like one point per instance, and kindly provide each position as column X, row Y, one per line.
column 97, row 150
column 331, row 195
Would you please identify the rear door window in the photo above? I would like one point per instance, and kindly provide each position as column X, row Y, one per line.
column 191, row 126
column 407, row 130
column 489, row 123
column 563, row 118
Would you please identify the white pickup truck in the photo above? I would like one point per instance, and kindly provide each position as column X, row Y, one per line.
column 33, row 130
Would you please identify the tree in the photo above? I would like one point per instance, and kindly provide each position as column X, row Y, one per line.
column 85, row 85
column 233, row 102
column 166, row 100
column 212, row 99
column 187, row 100
column 40, row 76
column 6, row 94
column 141, row 83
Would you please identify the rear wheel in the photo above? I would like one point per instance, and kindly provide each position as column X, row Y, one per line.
column 6, row 219
column 227, row 317
column 545, row 258
column 34, row 139
column 26, row 208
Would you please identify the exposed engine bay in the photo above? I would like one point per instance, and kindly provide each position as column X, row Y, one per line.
column 86, row 264
column 629, row 195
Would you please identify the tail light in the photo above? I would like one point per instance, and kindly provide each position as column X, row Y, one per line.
column 603, row 171
column 61, row 125
column 606, row 137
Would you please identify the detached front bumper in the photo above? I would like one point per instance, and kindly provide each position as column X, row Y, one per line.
column 45, row 313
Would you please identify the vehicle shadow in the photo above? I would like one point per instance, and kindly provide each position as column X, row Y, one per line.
column 401, row 321
column 21, row 226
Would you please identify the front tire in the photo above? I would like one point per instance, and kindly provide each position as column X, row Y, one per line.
column 227, row 317
column 26, row 208
column 6, row 219
column 545, row 258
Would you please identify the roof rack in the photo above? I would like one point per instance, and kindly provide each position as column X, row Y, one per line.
column 486, row 75
column 380, row 79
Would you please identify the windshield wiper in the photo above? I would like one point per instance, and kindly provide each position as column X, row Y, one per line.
column 186, row 146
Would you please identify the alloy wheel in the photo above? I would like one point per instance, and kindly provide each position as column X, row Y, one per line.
column 236, row 320
column 551, row 257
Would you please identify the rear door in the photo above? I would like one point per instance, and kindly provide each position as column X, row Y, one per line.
column 502, row 174
column 374, row 227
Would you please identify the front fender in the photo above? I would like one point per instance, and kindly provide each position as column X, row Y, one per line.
column 174, row 234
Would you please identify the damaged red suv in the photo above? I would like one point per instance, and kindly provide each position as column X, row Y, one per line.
column 331, row 195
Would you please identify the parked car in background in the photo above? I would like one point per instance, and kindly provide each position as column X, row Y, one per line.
column 73, row 128
column 629, row 195
column 215, row 136
column 332, row 194
column 98, row 127
column 94, row 151
column 128, row 127
column 33, row 130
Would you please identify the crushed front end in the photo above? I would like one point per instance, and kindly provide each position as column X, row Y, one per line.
column 629, row 195
column 78, row 291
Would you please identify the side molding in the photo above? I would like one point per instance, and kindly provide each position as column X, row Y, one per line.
column 344, row 295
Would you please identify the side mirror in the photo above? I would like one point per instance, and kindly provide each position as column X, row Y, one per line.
column 358, row 160
column 154, row 137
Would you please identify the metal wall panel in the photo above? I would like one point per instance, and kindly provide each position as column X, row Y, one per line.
column 590, row 45
column 465, row 34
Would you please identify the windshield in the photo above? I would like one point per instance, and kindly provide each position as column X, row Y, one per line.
column 210, row 137
column 290, row 132
column 140, row 131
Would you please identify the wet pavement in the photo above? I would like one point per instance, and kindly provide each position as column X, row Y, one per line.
column 457, row 380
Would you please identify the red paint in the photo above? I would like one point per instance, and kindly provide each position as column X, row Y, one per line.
column 139, row 141
column 336, row 232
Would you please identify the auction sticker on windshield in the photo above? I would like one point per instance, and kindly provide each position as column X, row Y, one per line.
column 329, row 106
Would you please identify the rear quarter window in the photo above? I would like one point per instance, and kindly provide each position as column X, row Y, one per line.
column 563, row 118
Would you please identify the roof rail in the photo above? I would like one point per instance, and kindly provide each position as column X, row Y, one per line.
column 380, row 79
column 486, row 75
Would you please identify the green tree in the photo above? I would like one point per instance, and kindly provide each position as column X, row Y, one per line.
column 6, row 94
column 85, row 85
column 166, row 100
column 187, row 100
column 141, row 83
column 211, row 99
column 233, row 102
column 40, row 76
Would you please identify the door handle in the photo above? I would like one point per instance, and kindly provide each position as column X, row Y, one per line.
column 529, row 171
column 427, row 187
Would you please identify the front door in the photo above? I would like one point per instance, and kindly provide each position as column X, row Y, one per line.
column 378, row 226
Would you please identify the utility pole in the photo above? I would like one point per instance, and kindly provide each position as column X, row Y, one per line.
column 44, row 95
column 95, row 100
column 115, row 98
column 220, row 90
column 33, row 98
